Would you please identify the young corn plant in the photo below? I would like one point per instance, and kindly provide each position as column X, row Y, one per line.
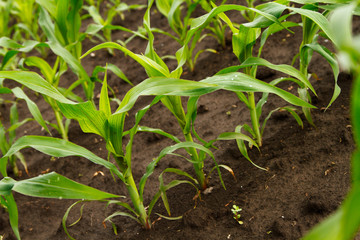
column 65, row 39
column 5, row 9
column 7, row 137
column 180, row 25
column 266, row 16
column 216, row 26
column 315, row 24
column 106, row 26
column 345, row 222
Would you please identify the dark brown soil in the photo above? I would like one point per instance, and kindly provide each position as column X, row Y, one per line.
column 308, row 176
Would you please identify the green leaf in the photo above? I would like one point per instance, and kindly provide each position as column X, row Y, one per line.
column 164, row 86
column 317, row 18
column 59, row 50
column 36, row 83
column 334, row 65
column 90, row 119
column 10, row 203
column 152, row 68
column 59, row 148
column 158, row 131
column 104, row 103
column 283, row 68
column 44, row 67
column 9, row 43
column 34, row 110
column 240, row 82
column 53, row 185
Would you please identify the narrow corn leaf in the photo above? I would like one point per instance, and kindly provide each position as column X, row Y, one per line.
column 104, row 102
column 236, row 136
column 169, row 150
column 164, row 86
column 3, row 166
column 40, row 63
column 50, row 6
column 158, row 131
column 7, row 59
column 283, row 68
column 6, row 42
column 59, row 50
column 152, row 68
column 122, row 204
column 317, row 18
column 191, row 113
column 34, row 110
column 240, row 82
column 116, row 127
column 117, row 71
column 180, row 173
column 36, row 83
column 150, row 51
column 53, row 185
column 119, row 213
column 240, row 138
column 169, row 218
column 16, row 125
column 59, row 148
column 66, row 216
column 90, row 119
column 12, row 209
column 330, row 58
column 261, row 21
column 4, row 90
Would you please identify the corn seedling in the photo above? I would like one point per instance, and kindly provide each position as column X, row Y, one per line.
column 5, row 8
column 180, row 25
column 345, row 222
column 65, row 39
column 7, row 137
column 315, row 24
column 106, row 26
column 216, row 26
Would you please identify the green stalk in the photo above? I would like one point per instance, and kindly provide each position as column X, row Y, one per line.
column 199, row 166
column 58, row 117
column 253, row 113
column 60, row 124
column 173, row 103
column 135, row 199
column 254, row 118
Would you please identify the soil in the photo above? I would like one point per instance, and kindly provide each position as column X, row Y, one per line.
column 308, row 168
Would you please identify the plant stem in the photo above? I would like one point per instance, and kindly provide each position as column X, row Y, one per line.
column 60, row 124
column 199, row 166
column 135, row 199
column 254, row 119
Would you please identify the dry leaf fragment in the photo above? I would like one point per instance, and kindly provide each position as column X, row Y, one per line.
column 97, row 173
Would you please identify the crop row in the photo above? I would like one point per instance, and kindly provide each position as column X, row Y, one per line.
column 45, row 26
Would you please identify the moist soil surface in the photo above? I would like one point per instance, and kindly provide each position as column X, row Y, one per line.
column 308, row 168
